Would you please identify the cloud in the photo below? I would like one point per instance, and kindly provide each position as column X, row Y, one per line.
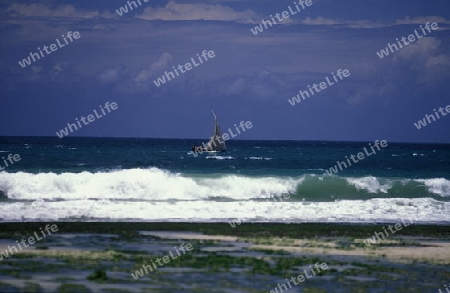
column 373, row 24
column 58, row 73
column 261, row 85
column 440, row 60
column 421, row 49
column 36, row 69
column 422, row 20
column 40, row 10
column 320, row 21
column 155, row 68
column 111, row 74
column 362, row 93
column 423, row 62
column 237, row 86
column 348, row 23
column 61, row 71
column 436, row 69
column 174, row 11
column 171, row 12
column 411, row 71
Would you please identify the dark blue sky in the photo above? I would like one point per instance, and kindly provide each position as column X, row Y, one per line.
column 250, row 78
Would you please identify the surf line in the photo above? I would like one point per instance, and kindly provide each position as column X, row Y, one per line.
column 238, row 221
column 360, row 155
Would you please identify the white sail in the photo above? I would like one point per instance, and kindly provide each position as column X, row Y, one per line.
column 216, row 142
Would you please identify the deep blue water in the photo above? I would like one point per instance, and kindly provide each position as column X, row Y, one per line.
column 257, row 158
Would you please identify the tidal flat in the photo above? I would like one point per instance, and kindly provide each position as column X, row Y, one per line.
column 252, row 257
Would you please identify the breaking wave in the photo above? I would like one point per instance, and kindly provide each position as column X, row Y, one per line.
column 154, row 184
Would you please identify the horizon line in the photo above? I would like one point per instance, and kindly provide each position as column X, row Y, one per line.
column 293, row 140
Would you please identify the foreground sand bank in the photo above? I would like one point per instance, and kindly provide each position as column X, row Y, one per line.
column 101, row 257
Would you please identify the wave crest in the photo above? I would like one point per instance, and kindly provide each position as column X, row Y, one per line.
column 154, row 184
column 142, row 184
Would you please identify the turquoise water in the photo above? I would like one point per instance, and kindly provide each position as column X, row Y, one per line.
column 121, row 178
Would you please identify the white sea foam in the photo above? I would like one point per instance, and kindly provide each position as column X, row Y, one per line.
column 220, row 157
column 159, row 185
column 424, row 210
column 158, row 195
column 440, row 186
column 259, row 158
column 144, row 184
column 370, row 183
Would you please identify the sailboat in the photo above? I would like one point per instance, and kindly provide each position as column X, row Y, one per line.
column 215, row 143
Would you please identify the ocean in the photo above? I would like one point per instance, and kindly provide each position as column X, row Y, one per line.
column 149, row 180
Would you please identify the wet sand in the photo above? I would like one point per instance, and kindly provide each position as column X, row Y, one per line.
column 101, row 257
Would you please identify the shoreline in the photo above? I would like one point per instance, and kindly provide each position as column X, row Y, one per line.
column 223, row 228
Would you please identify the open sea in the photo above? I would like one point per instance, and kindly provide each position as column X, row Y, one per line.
column 126, row 179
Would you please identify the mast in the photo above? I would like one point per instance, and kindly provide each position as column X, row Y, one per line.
column 216, row 143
